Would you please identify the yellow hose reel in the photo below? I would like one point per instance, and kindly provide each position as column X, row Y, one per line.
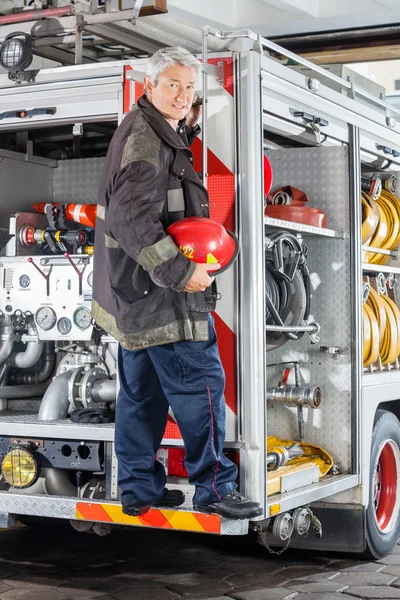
column 380, row 225
column 381, row 329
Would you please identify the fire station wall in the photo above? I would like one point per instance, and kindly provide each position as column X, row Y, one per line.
column 322, row 173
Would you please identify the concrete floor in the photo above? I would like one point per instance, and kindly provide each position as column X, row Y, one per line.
column 54, row 562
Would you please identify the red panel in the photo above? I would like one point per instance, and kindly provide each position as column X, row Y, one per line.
column 172, row 431
column 221, row 186
column 228, row 72
column 139, row 91
column 127, row 90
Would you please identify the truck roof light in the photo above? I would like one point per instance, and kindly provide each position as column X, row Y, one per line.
column 16, row 52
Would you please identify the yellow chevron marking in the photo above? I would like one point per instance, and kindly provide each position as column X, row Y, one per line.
column 116, row 514
column 183, row 520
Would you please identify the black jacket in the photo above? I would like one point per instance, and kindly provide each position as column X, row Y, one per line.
column 148, row 183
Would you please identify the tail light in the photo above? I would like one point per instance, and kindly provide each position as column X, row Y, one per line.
column 173, row 460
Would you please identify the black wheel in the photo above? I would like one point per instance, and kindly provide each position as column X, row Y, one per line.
column 383, row 512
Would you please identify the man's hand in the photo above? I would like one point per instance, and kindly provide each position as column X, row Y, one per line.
column 200, row 280
column 194, row 114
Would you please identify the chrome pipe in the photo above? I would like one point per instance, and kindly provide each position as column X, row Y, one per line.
column 55, row 402
column 16, row 392
column 204, row 111
column 313, row 328
column 105, row 390
column 301, row 396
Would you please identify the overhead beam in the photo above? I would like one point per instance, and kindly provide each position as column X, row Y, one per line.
column 354, row 55
column 62, row 56
column 129, row 39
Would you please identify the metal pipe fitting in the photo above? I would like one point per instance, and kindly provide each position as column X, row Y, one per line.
column 16, row 392
column 312, row 328
column 7, row 343
column 105, row 390
column 28, row 358
column 58, row 484
column 282, row 527
column 281, row 455
column 55, row 402
column 43, row 373
column 301, row 396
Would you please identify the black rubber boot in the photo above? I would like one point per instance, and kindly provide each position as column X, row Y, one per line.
column 170, row 499
column 232, row 506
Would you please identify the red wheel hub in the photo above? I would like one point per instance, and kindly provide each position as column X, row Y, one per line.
column 385, row 486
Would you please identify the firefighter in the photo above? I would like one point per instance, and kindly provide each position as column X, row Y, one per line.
column 157, row 303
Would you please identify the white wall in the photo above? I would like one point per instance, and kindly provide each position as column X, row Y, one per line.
column 384, row 72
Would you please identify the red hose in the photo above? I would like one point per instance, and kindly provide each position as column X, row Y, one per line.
column 34, row 15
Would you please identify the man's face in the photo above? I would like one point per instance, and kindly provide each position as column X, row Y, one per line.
column 173, row 94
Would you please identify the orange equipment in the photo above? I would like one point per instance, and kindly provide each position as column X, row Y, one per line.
column 85, row 214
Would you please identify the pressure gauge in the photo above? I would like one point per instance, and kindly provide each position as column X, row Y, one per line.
column 90, row 279
column 46, row 317
column 24, row 281
column 82, row 317
column 64, row 325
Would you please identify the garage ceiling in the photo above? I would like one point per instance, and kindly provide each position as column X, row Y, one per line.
column 273, row 18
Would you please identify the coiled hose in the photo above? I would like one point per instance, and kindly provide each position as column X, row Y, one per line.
column 287, row 288
column 381, row 329
column 381, row 224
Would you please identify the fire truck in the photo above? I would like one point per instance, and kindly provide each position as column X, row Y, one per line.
column 302, row 165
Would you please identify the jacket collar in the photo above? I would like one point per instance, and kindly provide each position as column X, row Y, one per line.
column 160, row 124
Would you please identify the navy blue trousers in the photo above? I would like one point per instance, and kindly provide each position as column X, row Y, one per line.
column 188, row 376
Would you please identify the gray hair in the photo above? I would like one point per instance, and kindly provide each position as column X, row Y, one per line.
column 167, row 57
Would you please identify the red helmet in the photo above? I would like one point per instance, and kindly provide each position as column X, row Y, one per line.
column 267, row 176
column 205, row 241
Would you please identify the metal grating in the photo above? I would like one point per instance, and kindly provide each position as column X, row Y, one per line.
column 77, row 181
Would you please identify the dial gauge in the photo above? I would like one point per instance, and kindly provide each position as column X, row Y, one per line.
column 82, row 317
column 64, row 325
column 24, row 281
column 46, row 317
column 90, row 279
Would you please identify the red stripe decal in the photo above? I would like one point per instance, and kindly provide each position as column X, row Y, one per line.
column 155, row 518
column 227, row 351
column 210, row 523
column 93, row 512
column 127, row 90
column 228, row 72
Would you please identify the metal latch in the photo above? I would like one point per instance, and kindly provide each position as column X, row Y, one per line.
column 312, row 120
column 387, row 150
column 309, row 118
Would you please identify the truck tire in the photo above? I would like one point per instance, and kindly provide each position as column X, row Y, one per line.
column 383, row 512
